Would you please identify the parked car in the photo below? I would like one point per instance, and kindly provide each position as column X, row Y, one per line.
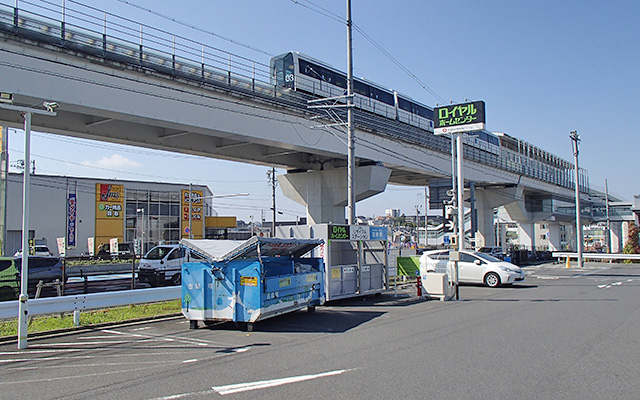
column 9, row 279
column 46, row 269
column 124, row 250
column 38, row 250
column 494, row 251
column 162, row 264
column 473, row 267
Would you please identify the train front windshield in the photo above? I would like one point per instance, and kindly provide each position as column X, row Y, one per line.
column 283, row 70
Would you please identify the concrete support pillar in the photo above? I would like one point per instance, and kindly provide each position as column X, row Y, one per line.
column 486, row 233
column 624, row 237
column 527, row 235
column 554, row 236
column 486, row 200
column 324, row 193
column 616, row 237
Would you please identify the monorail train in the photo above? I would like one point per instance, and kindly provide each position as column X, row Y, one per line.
column 303, row 73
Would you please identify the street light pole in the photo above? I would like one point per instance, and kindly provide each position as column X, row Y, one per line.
column 23, row 309
column 575, row 140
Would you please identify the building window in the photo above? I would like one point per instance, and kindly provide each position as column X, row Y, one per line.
column 154, row 212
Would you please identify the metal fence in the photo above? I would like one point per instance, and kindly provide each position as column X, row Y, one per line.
column 84, row 302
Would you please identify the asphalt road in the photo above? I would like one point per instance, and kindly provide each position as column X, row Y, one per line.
column 562, row 334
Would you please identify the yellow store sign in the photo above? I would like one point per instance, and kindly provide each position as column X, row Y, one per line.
column 109, row 212
column 192, row 205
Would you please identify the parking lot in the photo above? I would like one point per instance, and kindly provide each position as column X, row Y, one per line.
column 562, row 333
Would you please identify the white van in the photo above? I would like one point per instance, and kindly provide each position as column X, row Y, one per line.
column 162, row 264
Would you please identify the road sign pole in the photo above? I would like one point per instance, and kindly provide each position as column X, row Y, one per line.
column 460, row 192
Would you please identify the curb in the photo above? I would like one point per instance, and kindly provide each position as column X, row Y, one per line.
column 66, row 331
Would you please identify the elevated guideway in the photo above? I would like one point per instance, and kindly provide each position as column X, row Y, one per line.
column 133, row 84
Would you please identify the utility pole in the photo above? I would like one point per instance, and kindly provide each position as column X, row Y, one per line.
column 426, row 208
column 351, row 155
column 606, row 200
column 417, row 224
column 575, row 141
column 271, row 174
column 4, row 172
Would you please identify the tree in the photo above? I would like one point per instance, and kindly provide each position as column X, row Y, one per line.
column 633, row 244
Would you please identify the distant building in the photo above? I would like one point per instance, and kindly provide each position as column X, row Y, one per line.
column 89, row 212
column 392, row 212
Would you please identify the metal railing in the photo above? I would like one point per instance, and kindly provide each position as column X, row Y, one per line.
column 84, row 302
column 96, row 33
column 598, row 256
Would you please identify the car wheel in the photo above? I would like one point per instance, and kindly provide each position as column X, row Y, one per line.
column 492, row 279
column 175, row 280
column 8, row 293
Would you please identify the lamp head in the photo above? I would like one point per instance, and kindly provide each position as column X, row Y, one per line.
column 50, row 105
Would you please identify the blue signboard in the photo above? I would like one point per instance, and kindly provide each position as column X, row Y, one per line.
column 378, row 233
column 71, row 220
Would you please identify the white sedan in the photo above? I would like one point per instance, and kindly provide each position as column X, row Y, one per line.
column 473, row 267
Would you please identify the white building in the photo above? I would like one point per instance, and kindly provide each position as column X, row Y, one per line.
column 85, row 209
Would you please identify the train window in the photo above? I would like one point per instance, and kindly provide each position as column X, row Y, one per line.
column 424, row 112
column 278, row 71
column 404, row 104
column 321, row 73
column 360, row 88
column 385, row 97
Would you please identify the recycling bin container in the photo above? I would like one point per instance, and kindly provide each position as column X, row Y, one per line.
column 248, row 281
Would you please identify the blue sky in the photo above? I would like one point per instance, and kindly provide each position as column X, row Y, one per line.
column 543, row 68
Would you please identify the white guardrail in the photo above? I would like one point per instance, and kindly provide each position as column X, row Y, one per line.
column 92, row 301
column 598, row 256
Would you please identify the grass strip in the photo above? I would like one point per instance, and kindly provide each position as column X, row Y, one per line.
column 115, row 314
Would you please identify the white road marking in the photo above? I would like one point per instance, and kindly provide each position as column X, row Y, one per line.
column 617, row 283
column 242, row 350
column 97, row 365
column 78, row 343
column 191, row 341
column 244, row 387
column 190, row 361
column 181, row 395
column 142, row 329
column 95, row 337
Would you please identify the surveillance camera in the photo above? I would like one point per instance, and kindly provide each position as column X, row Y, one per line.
column 50, row 105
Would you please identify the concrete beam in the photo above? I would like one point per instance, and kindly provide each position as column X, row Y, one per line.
column 324, row 193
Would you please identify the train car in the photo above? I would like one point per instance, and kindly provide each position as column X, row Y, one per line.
column 413, row 113
column 303, row 73
column 483, row 140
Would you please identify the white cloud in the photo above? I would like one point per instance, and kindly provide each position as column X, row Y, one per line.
column 116, row 161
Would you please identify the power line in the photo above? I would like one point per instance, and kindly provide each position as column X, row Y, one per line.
column 372, row 146
column 326, row 13
column 190, row 26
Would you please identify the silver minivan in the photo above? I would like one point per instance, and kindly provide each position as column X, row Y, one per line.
column 161, row 265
